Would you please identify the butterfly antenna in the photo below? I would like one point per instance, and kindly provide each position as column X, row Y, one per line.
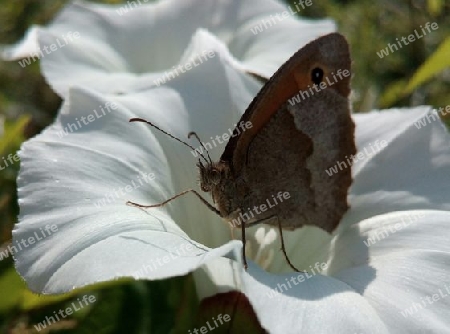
column 192, row 133
column 136, row 119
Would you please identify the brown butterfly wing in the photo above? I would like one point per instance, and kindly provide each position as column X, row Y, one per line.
column 290, row 146
column 291, row 77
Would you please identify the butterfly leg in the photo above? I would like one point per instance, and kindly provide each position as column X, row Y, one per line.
column 283, row 249
column 244, row 241
column 172, row 198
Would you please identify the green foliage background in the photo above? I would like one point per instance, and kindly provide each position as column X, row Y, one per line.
column 416, row 74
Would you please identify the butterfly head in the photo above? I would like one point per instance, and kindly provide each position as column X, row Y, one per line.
column 212, row 175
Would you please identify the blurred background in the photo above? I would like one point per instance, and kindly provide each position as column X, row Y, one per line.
column 416, row 74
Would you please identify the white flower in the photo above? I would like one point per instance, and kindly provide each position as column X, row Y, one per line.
column 366, row 288
column 373, row 272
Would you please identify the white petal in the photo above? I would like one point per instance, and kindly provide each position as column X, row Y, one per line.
column 407, row 261
column 217, row 276
column 410, row 173
column 27, row 46
column 318, row 304
column 374, row 126
column 379, row 289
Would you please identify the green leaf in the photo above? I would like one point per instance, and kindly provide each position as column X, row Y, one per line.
column 13, row 134
column 393, row 93
column 435, row 64
column 105, row 315
column 435, row 7
column 32, row 300
column 187, row 303
column 11, row 287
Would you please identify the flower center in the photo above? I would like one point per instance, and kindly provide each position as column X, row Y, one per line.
column 263, row 253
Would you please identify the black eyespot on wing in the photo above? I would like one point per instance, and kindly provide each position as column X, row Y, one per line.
column 317, row 75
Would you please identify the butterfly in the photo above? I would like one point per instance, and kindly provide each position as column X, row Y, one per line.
column 274, row 172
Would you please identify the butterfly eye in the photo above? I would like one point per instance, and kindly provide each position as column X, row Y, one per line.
column 215, row 176
column 317, row 75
